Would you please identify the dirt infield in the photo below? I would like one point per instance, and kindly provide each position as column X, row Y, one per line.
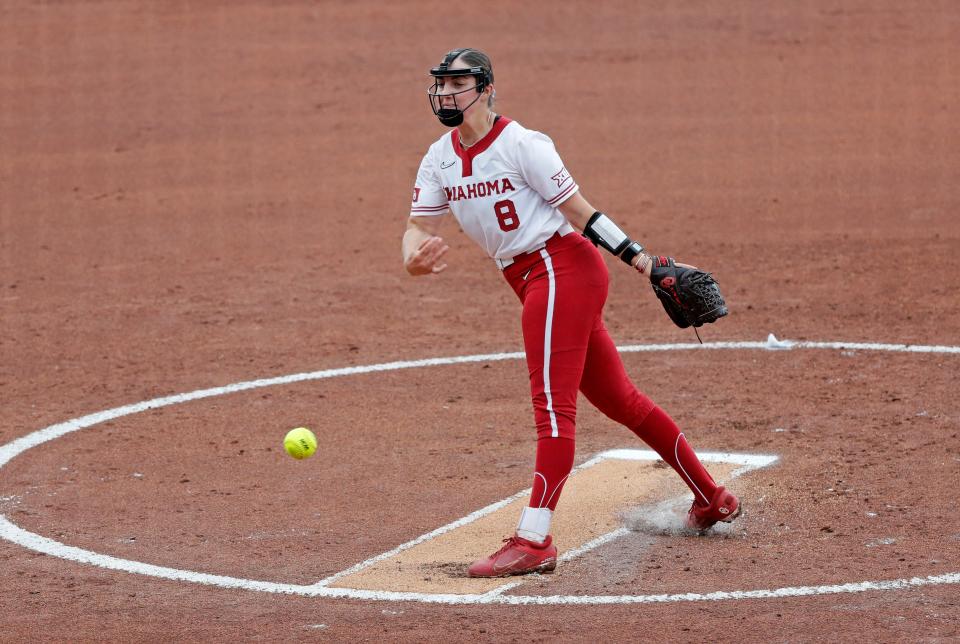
column 199, row 194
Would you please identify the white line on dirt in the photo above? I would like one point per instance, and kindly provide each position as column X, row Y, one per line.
column 748, row 461
column 37, row 543
column 595, row 543
column 22, row 444
column 470, row 518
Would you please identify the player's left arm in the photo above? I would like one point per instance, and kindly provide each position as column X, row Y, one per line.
column 691, row 297
column 600, row 229
column 539, row 161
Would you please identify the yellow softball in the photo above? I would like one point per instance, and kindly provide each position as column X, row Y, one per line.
column 300, row 443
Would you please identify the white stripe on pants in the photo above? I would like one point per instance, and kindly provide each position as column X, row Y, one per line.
column 547, row 336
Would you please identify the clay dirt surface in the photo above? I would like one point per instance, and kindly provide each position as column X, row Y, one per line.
column 194, row 194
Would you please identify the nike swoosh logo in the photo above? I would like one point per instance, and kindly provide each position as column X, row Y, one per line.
column 527, row 274
column 447, row 164
column 503, row 568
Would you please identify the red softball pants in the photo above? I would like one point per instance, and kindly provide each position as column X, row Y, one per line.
column 563, row 288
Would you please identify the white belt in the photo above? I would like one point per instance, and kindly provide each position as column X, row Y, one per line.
column 565, row 229
column 503, row 263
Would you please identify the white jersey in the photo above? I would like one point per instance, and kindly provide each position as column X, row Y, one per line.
column 504, row 190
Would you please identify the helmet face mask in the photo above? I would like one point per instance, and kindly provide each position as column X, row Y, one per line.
column 453, row 116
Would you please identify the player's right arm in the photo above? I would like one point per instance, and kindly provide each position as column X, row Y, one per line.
column 423, row 249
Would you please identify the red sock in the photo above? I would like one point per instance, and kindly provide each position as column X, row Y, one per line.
column 554, row 462
column 662, row 434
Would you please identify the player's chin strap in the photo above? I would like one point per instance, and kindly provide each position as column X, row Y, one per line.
column 453, row 116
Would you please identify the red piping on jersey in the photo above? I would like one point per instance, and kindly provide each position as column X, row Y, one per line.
column 434, row 209
column 467, row 155
column 562, row 194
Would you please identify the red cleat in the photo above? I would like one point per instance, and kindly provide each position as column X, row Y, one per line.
column 518, row 556
column 724, row 507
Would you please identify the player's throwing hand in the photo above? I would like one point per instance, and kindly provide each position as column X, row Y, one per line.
column 427, row 257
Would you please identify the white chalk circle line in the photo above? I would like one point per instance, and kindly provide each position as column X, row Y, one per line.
column 38, row 543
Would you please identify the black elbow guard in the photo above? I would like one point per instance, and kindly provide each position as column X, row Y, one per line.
column 602, row 231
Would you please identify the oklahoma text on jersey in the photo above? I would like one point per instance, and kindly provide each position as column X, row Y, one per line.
column 504, row 191
column 479, row 189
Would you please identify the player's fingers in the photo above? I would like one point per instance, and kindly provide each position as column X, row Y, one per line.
column 426, row 256
column 439, row 268
column 430, row 242
column 432, row 254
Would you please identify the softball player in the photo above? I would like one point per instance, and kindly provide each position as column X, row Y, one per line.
column 510, row 192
